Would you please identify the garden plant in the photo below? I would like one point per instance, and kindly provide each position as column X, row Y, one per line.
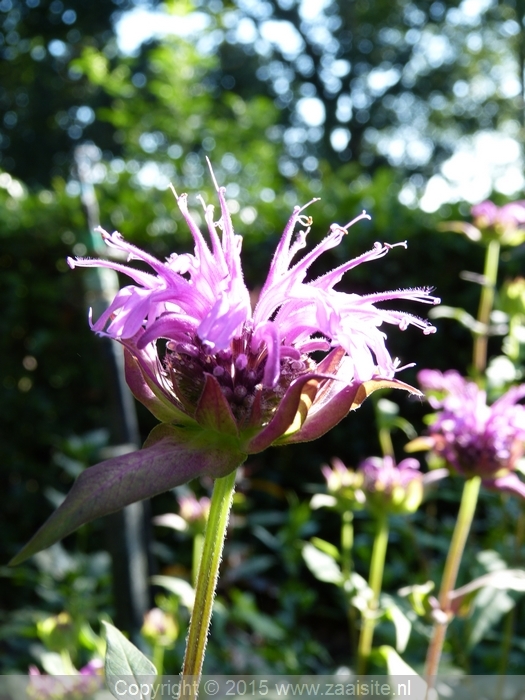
column 264, row 402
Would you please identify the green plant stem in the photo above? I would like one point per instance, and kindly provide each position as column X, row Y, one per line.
column 347, row 543
column 198, row 544
column 508, row 629
column 221, row 501
column 375, row 581
column 486, row 303
column 385, row 440
column 467, row 509
column 158, row 659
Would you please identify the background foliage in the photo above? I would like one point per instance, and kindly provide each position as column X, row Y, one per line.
column 360, row 103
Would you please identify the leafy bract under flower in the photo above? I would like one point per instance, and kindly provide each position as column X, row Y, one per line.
column 473, row 437
column 227, row 380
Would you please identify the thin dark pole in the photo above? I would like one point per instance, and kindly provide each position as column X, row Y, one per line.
column 127, row 531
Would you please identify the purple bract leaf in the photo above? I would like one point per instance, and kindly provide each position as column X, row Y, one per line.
column 172, row 456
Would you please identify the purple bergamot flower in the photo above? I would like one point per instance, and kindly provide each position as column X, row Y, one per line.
column 248, row 360
column 511, row 215
column 394, row 487
column 228, row 380
column 476, row 439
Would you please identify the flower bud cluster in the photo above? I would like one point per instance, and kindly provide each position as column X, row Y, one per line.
column 160, row 628
column 392, row 488
column 378, row 484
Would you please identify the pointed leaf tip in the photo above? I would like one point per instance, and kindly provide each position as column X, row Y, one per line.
column 171, row 456
column 125, row 665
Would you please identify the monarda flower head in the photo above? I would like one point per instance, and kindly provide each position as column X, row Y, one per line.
column 474, row 438
column 227, row 380
column 378, row 484
column 511, row 215
column 505, row 224
column 390, row 487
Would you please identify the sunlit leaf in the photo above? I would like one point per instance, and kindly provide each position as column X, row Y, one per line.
column 401, row 622
column 326, row 547
column 178, row 586
column 125, row 665
column 322, row 565
column 394, row 663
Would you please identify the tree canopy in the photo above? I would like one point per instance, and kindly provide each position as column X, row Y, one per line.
column 374, row 83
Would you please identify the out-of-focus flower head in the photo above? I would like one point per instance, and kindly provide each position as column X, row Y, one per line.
column 490, row 222
column 160, row 628
column 227, row 380
column 192, row 517
column 390, row 487
column 193, row 509
column 473, row 437
column 57, row 632
column 344, row 488
column 488, row 214
column 378, row 484
column 83, row 684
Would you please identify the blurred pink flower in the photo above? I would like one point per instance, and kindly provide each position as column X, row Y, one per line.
column 473, row 437
column 505, row 224
column 383, row 474
column 378, row 484
column 85, row 684
column 489, row 214
column 395, row 488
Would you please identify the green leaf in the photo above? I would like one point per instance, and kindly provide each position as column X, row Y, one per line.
column 326, row 547
column 486, row 598
column 322, row 500
column 404, row 681
column 126, row 667
column 394, row 663
column 244, row 610
column 459, row 315
column 387, row 418
column 503, row 579
column 322, row 565
column 56, row 664
column 489, row 606
column 358, row 591
column 418, row 597
column 401, row 622
column 178, row 586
